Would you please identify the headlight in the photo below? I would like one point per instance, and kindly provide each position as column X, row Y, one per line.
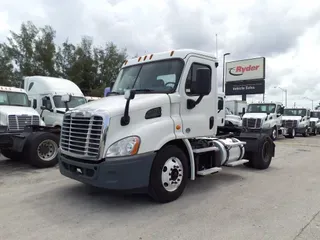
column 42, row 123
column 124, row 147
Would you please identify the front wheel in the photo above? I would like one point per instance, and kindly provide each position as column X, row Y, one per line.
column 169, row 174
column 306, row 133
column 274, row 133
column 42, row 149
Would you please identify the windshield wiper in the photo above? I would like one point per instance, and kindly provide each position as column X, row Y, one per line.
column 115, row 93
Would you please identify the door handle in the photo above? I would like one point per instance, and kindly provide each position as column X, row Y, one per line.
column 211, row 122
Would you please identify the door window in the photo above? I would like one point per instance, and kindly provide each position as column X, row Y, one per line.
column 192, row 76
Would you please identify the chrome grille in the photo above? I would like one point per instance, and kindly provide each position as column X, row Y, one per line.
column 312, row 124
column 290, row 123
column 251, row 122
column 81, row 135
column 19, row 122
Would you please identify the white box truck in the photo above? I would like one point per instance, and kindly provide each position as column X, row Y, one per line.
column 156, row 129
column 237, row 107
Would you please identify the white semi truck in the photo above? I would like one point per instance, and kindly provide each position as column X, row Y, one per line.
column 266, row 117
column 315, row 120
column 45, row 93
column 297, row 121
column 155, row 129
column 23, row 135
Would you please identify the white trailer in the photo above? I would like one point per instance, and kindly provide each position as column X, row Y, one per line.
column 237, row 107
column 156, row 129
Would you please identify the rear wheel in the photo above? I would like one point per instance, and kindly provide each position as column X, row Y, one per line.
column 169, row 174
column 42, row 149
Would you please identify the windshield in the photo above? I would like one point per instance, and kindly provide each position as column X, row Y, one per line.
column 75, row 102
column 14, row 99
column 294, row 112
column 261, row 108
column 315, row 114
column 161, row 76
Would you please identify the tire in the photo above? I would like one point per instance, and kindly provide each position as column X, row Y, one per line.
column 262, row 158
column 42, row 149
column 305, row 134
column 274, row 133
column 292, row 133
column 15, row 156
column 315, row 132
column 168, row 157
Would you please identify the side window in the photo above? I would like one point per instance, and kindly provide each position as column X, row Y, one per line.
column 278, row 109
column 192, row 76
column 308, row 113
column 46, row 102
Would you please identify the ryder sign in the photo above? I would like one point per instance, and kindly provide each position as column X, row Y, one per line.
column 248, row 69
column 245, row 76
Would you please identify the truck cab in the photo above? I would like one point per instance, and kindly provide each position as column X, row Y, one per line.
column 45, row 94
column 15, row 110
column 265, row 117
column 156, row 129
column 298, row 120
column 315, row 121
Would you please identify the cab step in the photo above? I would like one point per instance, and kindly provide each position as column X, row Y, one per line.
column 237, row 163
column 209, row 171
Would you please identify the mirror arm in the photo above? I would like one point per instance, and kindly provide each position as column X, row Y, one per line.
column 125, row 120
column 192, row 103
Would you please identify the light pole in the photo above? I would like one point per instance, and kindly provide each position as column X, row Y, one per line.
column 286, row 94
column 224, row 71
column 310, row 100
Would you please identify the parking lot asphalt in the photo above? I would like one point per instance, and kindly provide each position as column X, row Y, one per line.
column 282, row 202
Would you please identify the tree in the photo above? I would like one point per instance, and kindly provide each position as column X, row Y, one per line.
column 33, row 52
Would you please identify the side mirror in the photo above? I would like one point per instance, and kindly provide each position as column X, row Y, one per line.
column 43, row 108
column 66, row 98
column 129, row 94
column 111, row 85
column 34, row 105
column 220, row 105
column 202, row 85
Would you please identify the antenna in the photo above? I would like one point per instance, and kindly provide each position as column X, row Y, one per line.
column 216, row 45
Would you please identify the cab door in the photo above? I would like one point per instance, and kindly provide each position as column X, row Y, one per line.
column 200, row 120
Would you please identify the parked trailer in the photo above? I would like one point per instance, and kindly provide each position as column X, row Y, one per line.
column 157, row 135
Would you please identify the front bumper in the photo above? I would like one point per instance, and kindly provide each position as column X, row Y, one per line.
column 300, row 130
column 117, row 173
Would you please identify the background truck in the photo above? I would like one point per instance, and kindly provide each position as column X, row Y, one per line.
column 45, row 95
column 237, row 107
column 23, row 135
column 156, row 129
column 266, row 117
column 315, row 121
column 297, row 120
column 227, row 121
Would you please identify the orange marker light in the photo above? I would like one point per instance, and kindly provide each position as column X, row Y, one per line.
column 139, row 59
column 145, row 57
column 150, row 56
column 172, row 52
column 178, row 127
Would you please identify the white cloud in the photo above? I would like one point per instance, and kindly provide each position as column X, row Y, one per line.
column 285, row 32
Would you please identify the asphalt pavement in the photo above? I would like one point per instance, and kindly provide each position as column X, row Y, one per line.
column 280, row 203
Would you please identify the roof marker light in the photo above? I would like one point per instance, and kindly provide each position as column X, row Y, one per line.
column 145, row 57
column 150, row 56
column 172, row 52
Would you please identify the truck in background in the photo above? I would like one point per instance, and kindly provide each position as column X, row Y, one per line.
column 236, row 107
column 173, row 102
column 297, row 120
column 315, row 117
column 266, row 117
column 23, row 135
column 227, row 121
column 45, row 94
column 315, row 121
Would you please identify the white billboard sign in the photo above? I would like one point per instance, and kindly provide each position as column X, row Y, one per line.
column 247, row 69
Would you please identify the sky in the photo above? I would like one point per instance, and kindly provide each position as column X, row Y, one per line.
column 286, row 33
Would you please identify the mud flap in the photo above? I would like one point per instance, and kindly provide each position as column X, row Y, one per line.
column 253, row 142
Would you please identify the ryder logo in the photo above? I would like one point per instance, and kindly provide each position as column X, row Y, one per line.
column 239, row 70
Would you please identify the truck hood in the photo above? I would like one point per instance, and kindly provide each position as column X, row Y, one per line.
column 255, row 115
column 16, row 110
column 298, row 118
column 314, row 119
column 115, row 105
